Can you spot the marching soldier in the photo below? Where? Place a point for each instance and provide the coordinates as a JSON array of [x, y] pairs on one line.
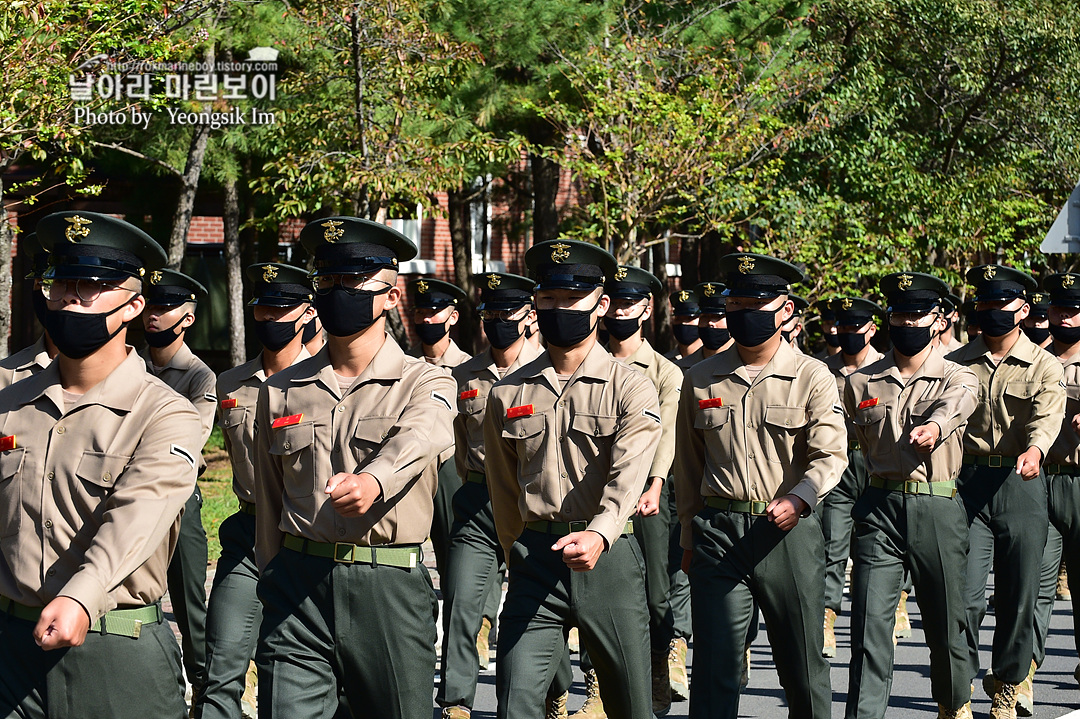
[[793, 328], [97, 458], [282, 309], [947, 339], [909, 409], [569, 440], [171, 298], [712, 324], [828, 329], [684, 324], [632, 291], [971, 320], [1017, 420], [475, 557], [853, 318], [760, 442], [31, 360], [1037, 324], [347, 444]]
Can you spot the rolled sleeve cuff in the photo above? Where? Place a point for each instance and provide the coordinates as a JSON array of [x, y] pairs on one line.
[[87, 591], [1043, 443], [606, 527], [942, 418], [806, 493]]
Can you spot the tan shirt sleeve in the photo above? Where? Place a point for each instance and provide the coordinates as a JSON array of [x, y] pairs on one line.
[[140, 512], [204, 397], [826, 439], [668, 388], [689, 466], [957, 401], [1047, 404]]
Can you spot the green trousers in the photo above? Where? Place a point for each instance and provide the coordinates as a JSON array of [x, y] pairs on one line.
[[470, 586], [443, 518], [545, 598], [108, 676], [232, 620], [926, 536], [679, 594], [1063, 541], [837, 525], [1008, 526], [737, 560], [653, 535], [187, 591], [365, 632]]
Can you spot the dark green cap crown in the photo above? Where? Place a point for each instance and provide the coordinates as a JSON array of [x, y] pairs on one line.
[[1064, 289], [501, 291], [30, 248], [801, 304], [684, 303], [434, 294], [89, 245], [278, 285], [758, 276], [569, 265], [854, 310], [353, 245], [711, 297], [997, 282], [913, 291], [631, 282], [168, 288], [1040, 303]]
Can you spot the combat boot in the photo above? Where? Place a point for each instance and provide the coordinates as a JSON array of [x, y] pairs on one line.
[[593, 708], [573, 641], [676, 659], [556, 708], [249, 703], [1063, 591], [1025, 693], [963, 712], [458, 712], [1004, 704], [483, 649], [661, 685], [745, 678], [828, 650], [902, 628]]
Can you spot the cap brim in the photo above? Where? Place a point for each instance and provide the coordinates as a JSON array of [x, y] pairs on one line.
[[88, 272], [567, 285]]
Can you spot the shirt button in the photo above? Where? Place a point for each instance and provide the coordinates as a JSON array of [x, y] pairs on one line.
[[60, 429], [750, 425], [48, 524], [287, 446], [522, 433], [564, 475], [750, 393], [341, 407], [750, 456], [341, 533], [52, 476], [51, 571], [107, 477], [562, 402]]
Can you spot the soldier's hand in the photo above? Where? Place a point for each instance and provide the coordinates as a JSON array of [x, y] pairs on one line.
[[1076, 423], [925, 437], [649, 503], [63, 623], [352, 494], [580, 550], [785, 511], [1027, 464]]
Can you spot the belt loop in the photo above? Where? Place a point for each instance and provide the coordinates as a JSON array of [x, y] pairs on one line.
[[373, 562]]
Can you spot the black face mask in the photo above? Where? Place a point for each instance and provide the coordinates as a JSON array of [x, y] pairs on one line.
[[528, 331], [1038, 335], [565, 328], [345, 313], [622, 328], [1066, 335], [714, 338], [996, 323], [832, 340], [502, 333], [852, 344], [429, 334], [685, 334], [78, 334], [40, 306], [274, 334], [165, 337], [310, 330], [751, 328], [910, 341]]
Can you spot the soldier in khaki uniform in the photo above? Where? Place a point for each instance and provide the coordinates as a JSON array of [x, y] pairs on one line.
[[569, 441], [792, 330], [171, 299], [1037, 324], [760, 442], [971, 320], [828, 329], [345, 472], [1018, 418], [282, 308], [684, 324], [947, 339], [853, 318], [712, 324], [909, 410], [31, 360], [97, 458]]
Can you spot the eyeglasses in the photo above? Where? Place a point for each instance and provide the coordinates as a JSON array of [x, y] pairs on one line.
[[502, 315], [86, 290], [912, 319], [350, 283]]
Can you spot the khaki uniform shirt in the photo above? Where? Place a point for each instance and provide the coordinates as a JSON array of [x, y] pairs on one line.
[[887, 408], [579, 453], [1021, 400], [393, 423], [1066, 448], [953, 343], [91, 497], [474, 380], [835, 363], [237, 391], [190, 376], [667, 379], [27, 361], [782, 434], [691, 359], [452, 357]]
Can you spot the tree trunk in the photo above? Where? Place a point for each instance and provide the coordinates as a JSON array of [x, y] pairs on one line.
[[461, 244], [234, 273], [662, 338], [688, 259], [6, 241], [545, 183]]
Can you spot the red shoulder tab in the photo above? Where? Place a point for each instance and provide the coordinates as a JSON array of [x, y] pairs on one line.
[[7, 443], [710, 403], [469, 394], [228, 403], [522, 411], [286, 421], [869, 403]]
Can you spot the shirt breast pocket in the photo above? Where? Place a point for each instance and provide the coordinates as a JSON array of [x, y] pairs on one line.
[[1018, 396], [232, 424], [528, 434], [99, 473], [715, 424], [295, 447], [785, 430], [11, 512], [369, 435], [592, 435], [869, 416]]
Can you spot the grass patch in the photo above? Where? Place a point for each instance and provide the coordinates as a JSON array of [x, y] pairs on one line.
[[219, 501]]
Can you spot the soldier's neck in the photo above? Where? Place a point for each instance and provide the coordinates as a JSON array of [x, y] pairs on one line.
[[161, 356], [350, 356], [907, 366], [687, 350], [854, 362], [1000, 346], [624, 348], [438, 349], [506, 357], [276, 361], [81, 375], [566, 360], [760, 355], [1066, 351]]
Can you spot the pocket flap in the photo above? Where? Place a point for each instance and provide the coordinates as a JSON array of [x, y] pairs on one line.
[[374, 429], [1020, 390], [596, 425], [869, 415], [11, 462], [523, 427], [287, 440], [233, 417], [787, 417], [100, 468], [712, 417]]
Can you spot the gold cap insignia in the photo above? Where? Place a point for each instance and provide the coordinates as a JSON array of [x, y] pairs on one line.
[[493, 281], [1067, 281], [422, 287], [709, 290], [269, 273], [78, 228], [155, 277], [989, 272], [904, 281], [333, 230], [560, 252], [620, 274], [846, 304], [684, 296], [746, 264]]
